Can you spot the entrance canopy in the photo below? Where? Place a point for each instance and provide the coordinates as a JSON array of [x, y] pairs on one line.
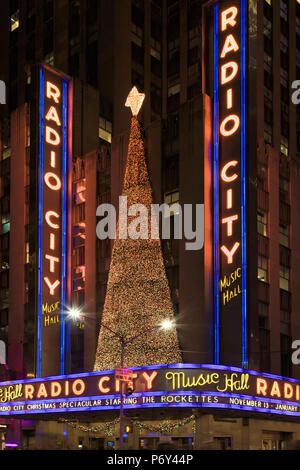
[[159, 386]]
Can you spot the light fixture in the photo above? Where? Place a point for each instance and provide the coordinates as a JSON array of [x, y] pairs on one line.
[[75, 313], [167, 325]]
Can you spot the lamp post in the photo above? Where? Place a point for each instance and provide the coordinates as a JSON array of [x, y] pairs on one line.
[[165, 325]]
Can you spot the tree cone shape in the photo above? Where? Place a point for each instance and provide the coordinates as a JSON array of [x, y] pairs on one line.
[[138, 295]]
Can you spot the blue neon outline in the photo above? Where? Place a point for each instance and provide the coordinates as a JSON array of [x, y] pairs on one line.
[[243, 176], [154, 405], [69, 202], [216, 183], [64, 230], [40, 225]]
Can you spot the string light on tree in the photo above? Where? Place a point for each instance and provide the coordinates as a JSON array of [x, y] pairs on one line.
[[138, 294]]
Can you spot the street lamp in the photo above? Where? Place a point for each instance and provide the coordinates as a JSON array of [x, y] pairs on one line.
[[164, 325]]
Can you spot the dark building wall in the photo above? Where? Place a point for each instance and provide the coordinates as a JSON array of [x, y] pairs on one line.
[[17, 320]]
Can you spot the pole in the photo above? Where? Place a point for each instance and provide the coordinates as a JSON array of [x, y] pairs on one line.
[[121, 395]]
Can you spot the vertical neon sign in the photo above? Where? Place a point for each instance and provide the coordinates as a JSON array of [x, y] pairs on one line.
[[53, 207], [230, 182]]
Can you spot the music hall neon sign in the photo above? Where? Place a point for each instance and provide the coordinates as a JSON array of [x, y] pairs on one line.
[[53, 203], [180, 385], [229, 182]]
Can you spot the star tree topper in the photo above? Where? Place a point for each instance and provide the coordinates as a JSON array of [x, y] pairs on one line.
[[135, 101]]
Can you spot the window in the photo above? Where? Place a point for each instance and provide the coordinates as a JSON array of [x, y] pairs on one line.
[[285, 349], [6, 153], [284, 147], [284, 235], [155, 53], [15, 21], [3, 318], [74, 64], [284, 277], [92, 63], [49, 59], [174, 89], [5, 223], [262, 269], [27, 253], [171, 199], [105, 130], [262, 223], [78, 278], [268, 134], [79, 191], [80, 213], [264, 338]]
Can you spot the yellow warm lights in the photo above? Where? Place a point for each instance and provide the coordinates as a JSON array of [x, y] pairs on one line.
[[135, 101], [138, 295]]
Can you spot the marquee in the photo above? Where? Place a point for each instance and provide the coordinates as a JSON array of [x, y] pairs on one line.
[[162, 386]]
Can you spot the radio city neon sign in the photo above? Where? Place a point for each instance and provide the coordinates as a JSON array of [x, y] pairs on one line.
[[230, 125], [53, 181]]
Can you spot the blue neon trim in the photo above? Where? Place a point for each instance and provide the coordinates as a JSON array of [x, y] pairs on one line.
[[64, 231], [40, 225], [216, 184], [243, 176], [153, 405], [153, 394]]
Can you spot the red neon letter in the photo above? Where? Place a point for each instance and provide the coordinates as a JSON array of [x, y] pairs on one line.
[[228, 253], [230, 45], [229, 221], [288, 391], [225, 78], [81, 389], [53, 92], [50, 214], [52, 241], [53, 116], [275, 390], [29, 391], [101, 387], [53, 286], [224, 176], [53, 187], [229, 98], [229, 17], [53, 159], [42, 391], [149, 379], [55, 389], [52, 260], [261, 387], [236, 124], [55, 140], [229, 199]]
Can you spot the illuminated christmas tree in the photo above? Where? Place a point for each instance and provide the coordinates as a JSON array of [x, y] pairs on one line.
[[138, 294]]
